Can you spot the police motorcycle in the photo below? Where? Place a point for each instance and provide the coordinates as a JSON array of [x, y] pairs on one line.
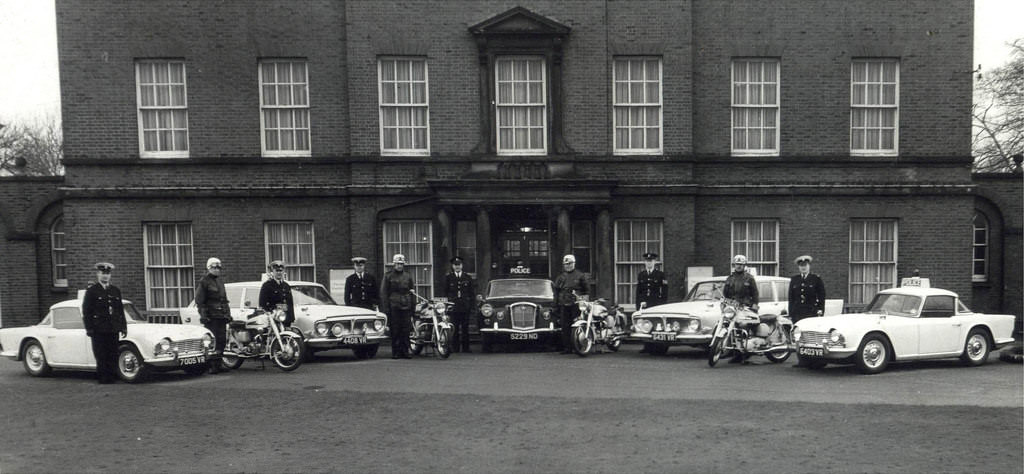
[[744, 332], [263, 336], [597, 324], [432, 327]]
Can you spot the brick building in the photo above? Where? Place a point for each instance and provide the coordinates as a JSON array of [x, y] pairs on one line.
[[318, 130]]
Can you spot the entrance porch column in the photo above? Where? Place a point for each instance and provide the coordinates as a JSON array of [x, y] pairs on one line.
[[483, 245], [444, 228], [563, 239], [603, 239]]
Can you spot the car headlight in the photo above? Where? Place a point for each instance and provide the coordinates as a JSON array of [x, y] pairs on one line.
[[378, 325], [164, 345], [676, 326], [501, 315], [487, 310], [644, 325], [547, 315], [337, 329], [835, 337], [321, 329], [207, 340], [693, 326], [797, 333]]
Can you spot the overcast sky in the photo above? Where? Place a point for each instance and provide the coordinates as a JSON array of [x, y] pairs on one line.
[[30, 88]]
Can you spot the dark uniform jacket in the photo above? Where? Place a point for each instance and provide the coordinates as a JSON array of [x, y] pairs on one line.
[[102, 310], [651, 288], [212, 299], [396, 291], [566, 283], [806, 296], [361, 292], [460, 290], [741, 287], [273, 293]]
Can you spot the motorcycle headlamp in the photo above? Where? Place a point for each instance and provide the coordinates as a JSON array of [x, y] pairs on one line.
[[337, 329], [582, 305], [378, 325], [487, 310], [729, 312], [280, 316], [440, 308], [693, 326], [609, 321]]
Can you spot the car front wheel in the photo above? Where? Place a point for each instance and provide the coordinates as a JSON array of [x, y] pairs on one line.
[[130, 365], [34, 360], [873, 355], [976, 349]]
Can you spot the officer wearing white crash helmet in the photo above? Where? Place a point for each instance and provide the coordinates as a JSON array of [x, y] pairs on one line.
[[398, 302], [212, 303], [569, 286], [741, 285]]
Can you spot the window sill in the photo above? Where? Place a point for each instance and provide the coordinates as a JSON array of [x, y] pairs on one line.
[[305, 154], [160, 156], [59, 290], [981, 284], [887, 154]]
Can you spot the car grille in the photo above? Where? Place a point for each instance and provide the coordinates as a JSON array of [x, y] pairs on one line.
[[813, 337], [665, 321], [353, 327], [524, 315], [189, 345]]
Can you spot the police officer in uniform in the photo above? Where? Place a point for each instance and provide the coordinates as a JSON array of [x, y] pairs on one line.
[[460, 288], [651, 287], [569, 285], [103, 317], [398, 302], [212, 303], [361, 287], [806, 291], [275, 291], [742, 287]]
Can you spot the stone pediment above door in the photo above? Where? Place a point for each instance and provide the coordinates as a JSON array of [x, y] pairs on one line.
[[519, 21]]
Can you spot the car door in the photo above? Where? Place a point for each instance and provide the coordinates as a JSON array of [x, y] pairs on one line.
[[767, 303], [66, 343], [782, 295], [940, 331]]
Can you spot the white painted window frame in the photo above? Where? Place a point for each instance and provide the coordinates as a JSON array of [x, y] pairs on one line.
[[498, 106], [187, 285], [267, 243], [139, 108], [748, 242], [264, 107], [383, 106], [621, 103], [895, 107], [734, 107]]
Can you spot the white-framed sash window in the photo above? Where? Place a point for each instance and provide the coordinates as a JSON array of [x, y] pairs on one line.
[[873, 257], [755, 106], [294, 244], [634, 238], [414, 239], [521, 105], [58, 253], [162, 99], [758, 240], [170, 277], [874, 107], [637, 105], [284, 107], [404, 98], [979, 259]]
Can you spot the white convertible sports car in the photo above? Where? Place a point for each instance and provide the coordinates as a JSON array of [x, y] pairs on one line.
[[59, 342], [907, 323]]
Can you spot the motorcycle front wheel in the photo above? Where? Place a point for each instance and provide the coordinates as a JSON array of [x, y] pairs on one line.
[[288, 356], [582, 341], [714, 351], [444, 343]]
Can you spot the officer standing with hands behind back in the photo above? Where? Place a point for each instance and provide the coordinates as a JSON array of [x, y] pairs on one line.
[[460, 289], [103, 317], [651, 287], [806, 291]]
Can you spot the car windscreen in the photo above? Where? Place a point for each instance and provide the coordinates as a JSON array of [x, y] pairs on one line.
[[309, 294], [132, 315], [528, 288], [899, 305], [234, 294], [706, 291]]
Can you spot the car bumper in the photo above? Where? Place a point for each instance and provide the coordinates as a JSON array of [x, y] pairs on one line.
[[324, 343], [551, 329], [827, 352], [680, 340], [999, 343], [13, 355]]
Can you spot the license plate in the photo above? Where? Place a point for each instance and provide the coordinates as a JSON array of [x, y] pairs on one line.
[[192, 360], [530, 336], [353, 340], [663, 336], [811, 351]]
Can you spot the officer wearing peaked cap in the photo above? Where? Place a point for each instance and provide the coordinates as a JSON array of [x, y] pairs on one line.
[[460, 289], [651, 287], [361, 287], [806, 291], [277, 292], [103, 317]]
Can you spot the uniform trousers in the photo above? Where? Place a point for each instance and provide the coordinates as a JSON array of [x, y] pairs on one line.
[[104, 349], [218, 326], [461, 336], [567, 313], [400, 322]]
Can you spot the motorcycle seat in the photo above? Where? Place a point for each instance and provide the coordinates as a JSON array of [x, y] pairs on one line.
[[767, 318], [236, 325]]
